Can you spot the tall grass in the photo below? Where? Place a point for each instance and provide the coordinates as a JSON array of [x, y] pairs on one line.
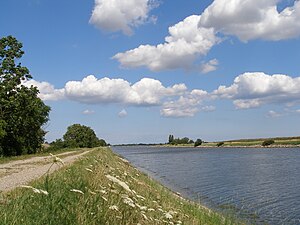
[[101, 188]]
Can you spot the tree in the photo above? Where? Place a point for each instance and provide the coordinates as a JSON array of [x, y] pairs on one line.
[[198, 142], [22, 113], [171, 139], [219, 144], [268, 142], [80, 136]]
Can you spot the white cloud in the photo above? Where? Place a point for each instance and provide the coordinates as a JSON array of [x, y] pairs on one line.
[[208, 108], [123, 113], [255, 89], [47, 91], [185, 106], [144, 92], [120, 15], [88, 112], [255, 19], [209, 66], [186, 42], [273, 114]]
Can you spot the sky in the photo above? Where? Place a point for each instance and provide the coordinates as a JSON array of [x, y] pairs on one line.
[[136, 71]]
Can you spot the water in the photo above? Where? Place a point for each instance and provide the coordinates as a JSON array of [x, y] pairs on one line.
[[259, 185]]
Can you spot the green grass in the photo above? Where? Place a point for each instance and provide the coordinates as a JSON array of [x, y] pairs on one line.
[[104, 199], [45, 153], [279, 141]]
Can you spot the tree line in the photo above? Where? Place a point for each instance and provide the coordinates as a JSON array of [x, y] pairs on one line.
[[177, 141]]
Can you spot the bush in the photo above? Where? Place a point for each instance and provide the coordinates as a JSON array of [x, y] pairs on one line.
[[220, 144], [268, 142], [198, 142]]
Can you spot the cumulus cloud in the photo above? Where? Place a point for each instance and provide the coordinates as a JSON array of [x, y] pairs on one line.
[[120, 15], [144, 92], [255, 19], [255, 89], [210, 66], [91, 90], [185, 106], [47, 90], [185, 43], [123, 113]]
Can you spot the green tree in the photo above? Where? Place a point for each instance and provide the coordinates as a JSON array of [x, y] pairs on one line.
[[22, 113], [80, 136], [171, 139], [198, 142], [268, 142]]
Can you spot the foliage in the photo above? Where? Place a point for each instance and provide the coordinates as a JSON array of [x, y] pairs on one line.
[[219, 144], [22, 113], [198, 142], [171, 138], [268, 142], [80, 136], [178, 141]]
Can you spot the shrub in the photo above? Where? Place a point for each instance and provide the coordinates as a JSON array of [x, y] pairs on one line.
[[268, 142], [220, 144]]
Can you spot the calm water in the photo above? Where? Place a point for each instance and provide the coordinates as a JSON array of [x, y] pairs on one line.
[[258, 184]]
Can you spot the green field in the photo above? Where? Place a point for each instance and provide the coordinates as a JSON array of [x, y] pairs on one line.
[[101, 188]]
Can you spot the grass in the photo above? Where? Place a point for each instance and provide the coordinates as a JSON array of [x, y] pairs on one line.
[[279, 142], [45, 153], [101, 188]]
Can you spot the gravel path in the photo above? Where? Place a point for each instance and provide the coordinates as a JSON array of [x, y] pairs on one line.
[[21, 172]]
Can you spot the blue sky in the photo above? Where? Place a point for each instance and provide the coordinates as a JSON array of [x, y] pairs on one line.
[[139, 70]]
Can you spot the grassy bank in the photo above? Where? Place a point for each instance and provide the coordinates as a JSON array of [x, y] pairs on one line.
[[278, 142], [101, 188]]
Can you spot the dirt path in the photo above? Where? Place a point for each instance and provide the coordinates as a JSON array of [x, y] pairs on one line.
[[21, 172]]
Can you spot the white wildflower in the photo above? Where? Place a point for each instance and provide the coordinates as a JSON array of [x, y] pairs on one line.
[[114, 207], [35, 190], [105, 199], [143, 208], [145, 217], [141, 197], [129, 202], [77, 191], [151, 209], [168, 216], [88, 169], [91, 192], [121, 183], [178, 222]]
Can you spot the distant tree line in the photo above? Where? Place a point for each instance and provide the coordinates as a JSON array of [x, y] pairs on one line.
[[78, 136], [185, 140]]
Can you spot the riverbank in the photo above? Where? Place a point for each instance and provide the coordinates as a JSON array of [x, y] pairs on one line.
[[101, 188]]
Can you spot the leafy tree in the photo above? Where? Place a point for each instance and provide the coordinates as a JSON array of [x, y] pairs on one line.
[[268, 142], [198, 142], [171, 139], [220, 144], [22, 113], [81, 136]]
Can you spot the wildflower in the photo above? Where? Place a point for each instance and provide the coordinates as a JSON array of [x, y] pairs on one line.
[[88, 169], [77, 191], [178, 222], [145, 217], [114, 207], [56, 159], [91, 192], [141, 197], [168, 216], [151, 209], [141, 207], [35, 190], [105, 199], [121, 183], [129, 202]]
